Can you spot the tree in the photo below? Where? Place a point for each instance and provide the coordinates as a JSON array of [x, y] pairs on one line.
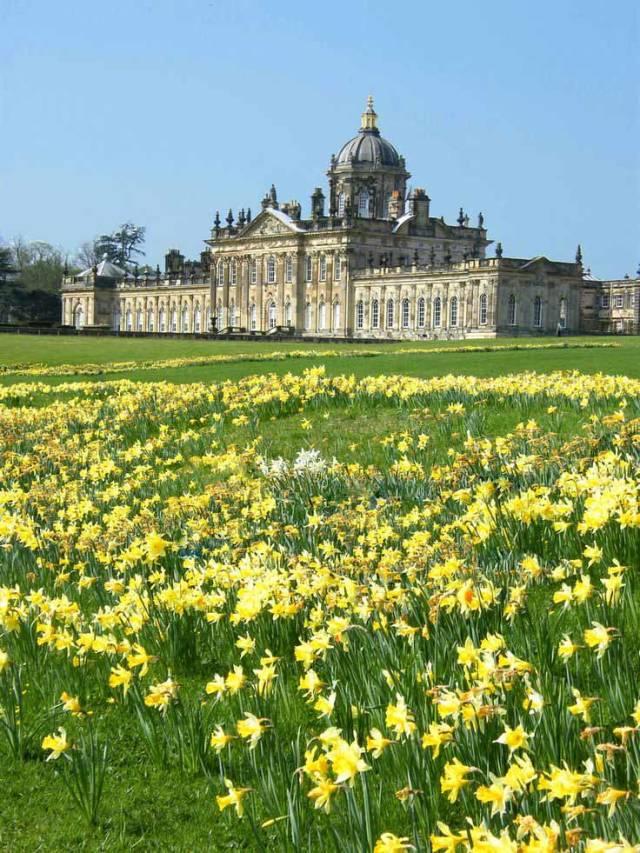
[[122, 245], [31, 287], [87, 255]]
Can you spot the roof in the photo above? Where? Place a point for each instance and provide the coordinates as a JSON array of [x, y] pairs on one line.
[[105, 269], [368, 147]]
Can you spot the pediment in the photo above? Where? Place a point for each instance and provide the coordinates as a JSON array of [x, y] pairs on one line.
[[270, 223]]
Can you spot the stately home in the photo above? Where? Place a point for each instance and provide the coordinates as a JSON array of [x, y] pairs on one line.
[[371, 261]]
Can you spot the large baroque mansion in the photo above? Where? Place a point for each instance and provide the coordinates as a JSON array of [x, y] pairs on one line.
[[371, 261]]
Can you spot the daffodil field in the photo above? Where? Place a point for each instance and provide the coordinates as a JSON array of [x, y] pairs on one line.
[[376, 614]]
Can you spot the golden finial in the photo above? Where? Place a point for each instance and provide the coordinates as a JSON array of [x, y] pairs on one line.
[[369, 117]]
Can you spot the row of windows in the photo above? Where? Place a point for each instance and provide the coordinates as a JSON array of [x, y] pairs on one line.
[[421, 312], [271, 270], [167, 320], [454, 312], [619, 300]]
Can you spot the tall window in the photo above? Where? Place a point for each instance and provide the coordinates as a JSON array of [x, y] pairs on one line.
[[234, 271], [322, 316], [139, 319], [271, 314], [453, 311], [128, 320], [389, 313], [149, 319], [337, 267], [163, 319], [340, 204], [604, 300], [437, 312], [360, 314], [207, 318], [308, 268], [323, 268], [537, 312], [220, 272], [336, 315], [197, 318], [405, 313], [307, 316], [288, 268], [619, 300], [271, 269], [375, 314], [363, 204], [512, 310], [287, 313], [232, 313], [185, 319], [116, 318], [563, 313], [421, 312], [483, 309], [253, 317], [174, 319], [254, 271]]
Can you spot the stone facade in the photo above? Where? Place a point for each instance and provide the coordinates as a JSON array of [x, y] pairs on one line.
[[370, 262], [611, 307]]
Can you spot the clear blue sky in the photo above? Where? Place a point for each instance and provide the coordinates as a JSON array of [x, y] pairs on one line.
[[162, 111]]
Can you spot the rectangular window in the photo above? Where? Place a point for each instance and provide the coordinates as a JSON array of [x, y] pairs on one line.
[[288, 269], [375, 314], [337, 268], [483, 309], [421, 312], [323, 268], [604, 300], [619, 300], [254, 272], [308, 269]]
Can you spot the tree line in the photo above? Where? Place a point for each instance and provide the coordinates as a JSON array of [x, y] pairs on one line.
[[31, 272]]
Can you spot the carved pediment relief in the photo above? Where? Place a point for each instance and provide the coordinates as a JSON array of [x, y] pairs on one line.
[[267, 224]]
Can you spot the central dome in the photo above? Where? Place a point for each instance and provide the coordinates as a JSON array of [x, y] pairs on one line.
[[368, 146]]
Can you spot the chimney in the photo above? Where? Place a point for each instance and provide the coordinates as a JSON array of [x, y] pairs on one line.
[[420, 208]]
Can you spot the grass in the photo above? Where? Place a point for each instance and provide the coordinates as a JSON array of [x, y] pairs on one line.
[[624, 359]]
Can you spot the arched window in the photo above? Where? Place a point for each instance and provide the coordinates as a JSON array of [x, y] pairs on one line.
[[340, 204], [163, 319], [453, 311], [185, 318], [307, 315], [127, 317], [220, 315], [437, 312], [150, 320], [174, 319], [116, 318], [253, 317], [234, 272], [78, 317], [308, 269], [375, 314], [563, 313], [336, 315], [483, 309], [139, 320], [389, 313], [337, 267], [359, 314], [363, 204], [287, 313], [421, 312], [220, 272], [197, 318], [288, 268], [271, 269], [254, 271], [405, 313], [207, 319], [512, 310], [537, 312], [271, 314], [322, 317], [232, 313], [323, 268]]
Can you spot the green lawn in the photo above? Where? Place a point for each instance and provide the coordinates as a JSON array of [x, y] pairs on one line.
[[14, 349]]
